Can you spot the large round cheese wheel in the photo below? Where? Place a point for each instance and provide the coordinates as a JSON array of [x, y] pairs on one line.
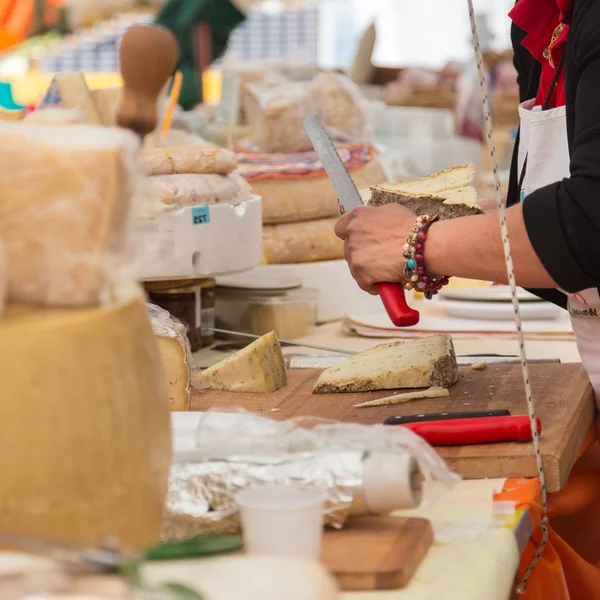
[[304, 199], [85, 437]]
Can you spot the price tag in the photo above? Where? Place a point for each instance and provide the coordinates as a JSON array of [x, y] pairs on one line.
[[200, 215]]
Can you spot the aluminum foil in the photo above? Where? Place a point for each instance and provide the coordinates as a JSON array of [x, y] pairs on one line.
[[201, 495]]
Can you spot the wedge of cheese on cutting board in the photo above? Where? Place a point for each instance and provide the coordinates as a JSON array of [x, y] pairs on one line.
[[422, 363], [175, 352], [258, 368], [447, 194], [66, 196]]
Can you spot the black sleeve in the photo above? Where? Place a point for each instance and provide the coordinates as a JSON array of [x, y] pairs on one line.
[[563, 219]]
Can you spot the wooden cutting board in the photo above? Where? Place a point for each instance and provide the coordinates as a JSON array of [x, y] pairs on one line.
[[562, 393], [386, 552]]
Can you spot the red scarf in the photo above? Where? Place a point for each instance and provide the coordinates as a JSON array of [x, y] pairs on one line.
[[540, 19]]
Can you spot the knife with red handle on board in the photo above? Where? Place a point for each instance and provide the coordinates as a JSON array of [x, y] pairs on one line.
[[484, 430], [392, 294]]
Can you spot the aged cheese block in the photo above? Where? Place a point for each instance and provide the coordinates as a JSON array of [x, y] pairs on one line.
[[291, 200], [276, 114], [85, 440], [181, 160], [190, 190], [64, 215], [308, 241], [259, 368], [340, 105], [426, 362], [55, 116], [447, 194], [176, 355], [107, 102]]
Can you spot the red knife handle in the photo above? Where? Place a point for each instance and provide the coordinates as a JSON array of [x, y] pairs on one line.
[[485, 430], [392, 296]]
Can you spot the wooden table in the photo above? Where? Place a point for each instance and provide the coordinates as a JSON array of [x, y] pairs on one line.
[[564, 404]]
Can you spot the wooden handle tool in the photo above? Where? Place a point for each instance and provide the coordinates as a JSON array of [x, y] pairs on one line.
[[149, 56]]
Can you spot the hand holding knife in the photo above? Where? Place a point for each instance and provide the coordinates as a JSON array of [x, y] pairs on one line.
[[392, 294]]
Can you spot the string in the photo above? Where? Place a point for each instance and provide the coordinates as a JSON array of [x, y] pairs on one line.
[[522, 585]]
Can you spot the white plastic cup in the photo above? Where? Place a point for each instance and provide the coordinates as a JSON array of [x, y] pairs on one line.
[[282, 520]]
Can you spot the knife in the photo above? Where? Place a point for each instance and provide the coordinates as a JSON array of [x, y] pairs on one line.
[[392, 294], [447, 416], [485, 430]]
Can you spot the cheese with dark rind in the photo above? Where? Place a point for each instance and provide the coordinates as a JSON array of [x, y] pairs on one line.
[[447, 194], [422, 363]]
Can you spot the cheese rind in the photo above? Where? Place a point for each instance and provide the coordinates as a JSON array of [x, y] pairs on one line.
[[258, 368], [421, 363], [65, 210], [194, 190], [308, 241], [182, 160], [175, 352]]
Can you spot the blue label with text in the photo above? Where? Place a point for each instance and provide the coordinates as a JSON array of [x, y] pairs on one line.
[[200, 215]]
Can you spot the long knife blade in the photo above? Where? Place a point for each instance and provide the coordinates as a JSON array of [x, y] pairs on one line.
[[391, 294], [346, 189]]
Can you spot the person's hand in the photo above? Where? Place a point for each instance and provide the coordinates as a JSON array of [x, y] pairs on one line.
[[374, 237]]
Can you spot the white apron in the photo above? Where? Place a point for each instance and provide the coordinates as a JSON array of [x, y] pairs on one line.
[[544, 142]]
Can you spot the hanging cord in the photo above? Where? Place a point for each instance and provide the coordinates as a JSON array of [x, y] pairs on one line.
[[521, 588]]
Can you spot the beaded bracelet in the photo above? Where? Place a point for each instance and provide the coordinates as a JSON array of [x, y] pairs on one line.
[[414, 270]]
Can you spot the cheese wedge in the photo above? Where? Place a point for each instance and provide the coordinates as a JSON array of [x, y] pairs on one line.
[[65, 203], [75, 93], [258, 368], [422, 363], [175, 352], [447, 194]]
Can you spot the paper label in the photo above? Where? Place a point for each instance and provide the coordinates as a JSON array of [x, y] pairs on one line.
[[200, 215]]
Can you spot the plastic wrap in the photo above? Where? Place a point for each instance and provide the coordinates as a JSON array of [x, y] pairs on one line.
[[176, 355], [276, 115], [192, 190], [183, 160], [238, 449], [340, 106], [70, 198], [307, 241]]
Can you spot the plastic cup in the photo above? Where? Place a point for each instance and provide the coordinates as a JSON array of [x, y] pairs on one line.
[[282, 520]]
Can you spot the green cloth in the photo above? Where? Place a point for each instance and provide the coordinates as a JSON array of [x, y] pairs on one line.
[[180, 16]]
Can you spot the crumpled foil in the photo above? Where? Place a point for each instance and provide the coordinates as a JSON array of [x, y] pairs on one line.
[[201, 495]]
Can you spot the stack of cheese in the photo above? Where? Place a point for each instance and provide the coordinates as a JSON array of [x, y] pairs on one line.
[[84, 418], [300, 206], [300, 209], [194, 175]]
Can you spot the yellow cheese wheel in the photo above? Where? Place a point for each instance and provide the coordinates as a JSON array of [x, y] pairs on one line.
[[85, 435]]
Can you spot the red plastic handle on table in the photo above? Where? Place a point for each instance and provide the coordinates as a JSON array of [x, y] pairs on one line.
[[392, 296], [484, 430]]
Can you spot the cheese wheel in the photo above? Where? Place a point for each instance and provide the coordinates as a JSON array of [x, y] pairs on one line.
[[291, 200], [181, 160], [309, 241], [67, 198], [190, 190], [2, 278], [85, 435]]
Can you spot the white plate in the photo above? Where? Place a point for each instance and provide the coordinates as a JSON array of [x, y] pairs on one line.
[[495, 293], [500, 311]]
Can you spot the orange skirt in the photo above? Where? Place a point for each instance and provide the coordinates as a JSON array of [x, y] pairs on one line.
[[570, 566]]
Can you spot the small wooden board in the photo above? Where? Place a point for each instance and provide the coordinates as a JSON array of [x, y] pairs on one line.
[[386, 552], [564, 403]]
